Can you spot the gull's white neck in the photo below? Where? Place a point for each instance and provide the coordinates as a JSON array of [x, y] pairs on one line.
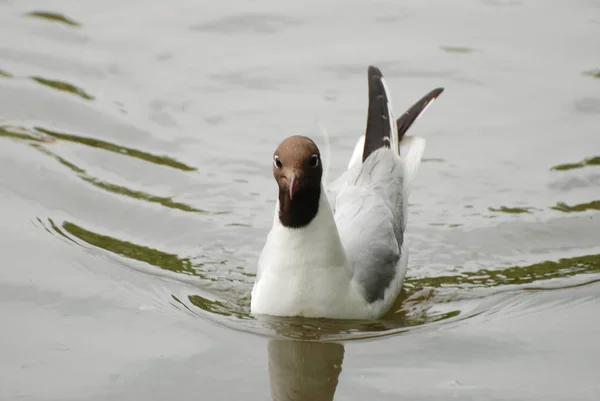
[[317, 243]]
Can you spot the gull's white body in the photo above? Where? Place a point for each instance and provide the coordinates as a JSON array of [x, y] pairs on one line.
[[306, 271], [349, 262]]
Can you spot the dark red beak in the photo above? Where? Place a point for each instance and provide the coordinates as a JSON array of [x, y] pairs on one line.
[[293, 184]]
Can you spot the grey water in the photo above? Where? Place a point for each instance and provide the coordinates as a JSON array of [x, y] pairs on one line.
[[136, 193]]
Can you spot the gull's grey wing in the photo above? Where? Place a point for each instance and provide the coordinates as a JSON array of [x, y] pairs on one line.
[[368, 206], [370, 221], [369, 200]]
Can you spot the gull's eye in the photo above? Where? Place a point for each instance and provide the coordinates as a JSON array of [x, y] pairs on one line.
[[314, 161], [276, 161]]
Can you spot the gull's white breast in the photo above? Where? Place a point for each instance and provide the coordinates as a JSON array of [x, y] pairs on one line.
[[305, 272]]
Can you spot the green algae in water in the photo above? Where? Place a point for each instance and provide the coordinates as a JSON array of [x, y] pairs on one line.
[[117, 189], [111, 147], [593, 73], [19, 133], [155, 257], [581, 207], [516, 275], [63, 87], [511, 210], [53, 17], [217, 307], [162, 200], [457, 49], [591, 161]]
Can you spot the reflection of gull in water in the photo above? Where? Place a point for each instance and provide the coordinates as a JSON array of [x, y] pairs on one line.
[[304, 371]]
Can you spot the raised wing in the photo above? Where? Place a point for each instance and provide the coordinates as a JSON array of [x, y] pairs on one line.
[[371, 197]]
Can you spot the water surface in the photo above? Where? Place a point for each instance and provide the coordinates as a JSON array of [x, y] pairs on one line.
[[136, 193]]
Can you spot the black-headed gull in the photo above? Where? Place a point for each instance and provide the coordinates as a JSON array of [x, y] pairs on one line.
[[343, 258]]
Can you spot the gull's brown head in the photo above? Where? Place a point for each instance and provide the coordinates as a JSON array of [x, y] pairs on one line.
[[297, 165], [297, 168]]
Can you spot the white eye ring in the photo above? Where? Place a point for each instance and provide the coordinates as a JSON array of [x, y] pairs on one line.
[[276, 161], [314, 160]]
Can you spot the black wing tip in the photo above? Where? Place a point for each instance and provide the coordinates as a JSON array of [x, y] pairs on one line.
[[378, 127], [408, 118], [373, 71], [436, 93]]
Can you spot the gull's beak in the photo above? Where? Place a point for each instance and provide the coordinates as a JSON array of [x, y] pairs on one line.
[[293, 184]]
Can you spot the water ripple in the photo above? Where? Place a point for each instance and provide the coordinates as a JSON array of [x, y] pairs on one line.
[[424, 301], [111, 147], [258, 23]]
